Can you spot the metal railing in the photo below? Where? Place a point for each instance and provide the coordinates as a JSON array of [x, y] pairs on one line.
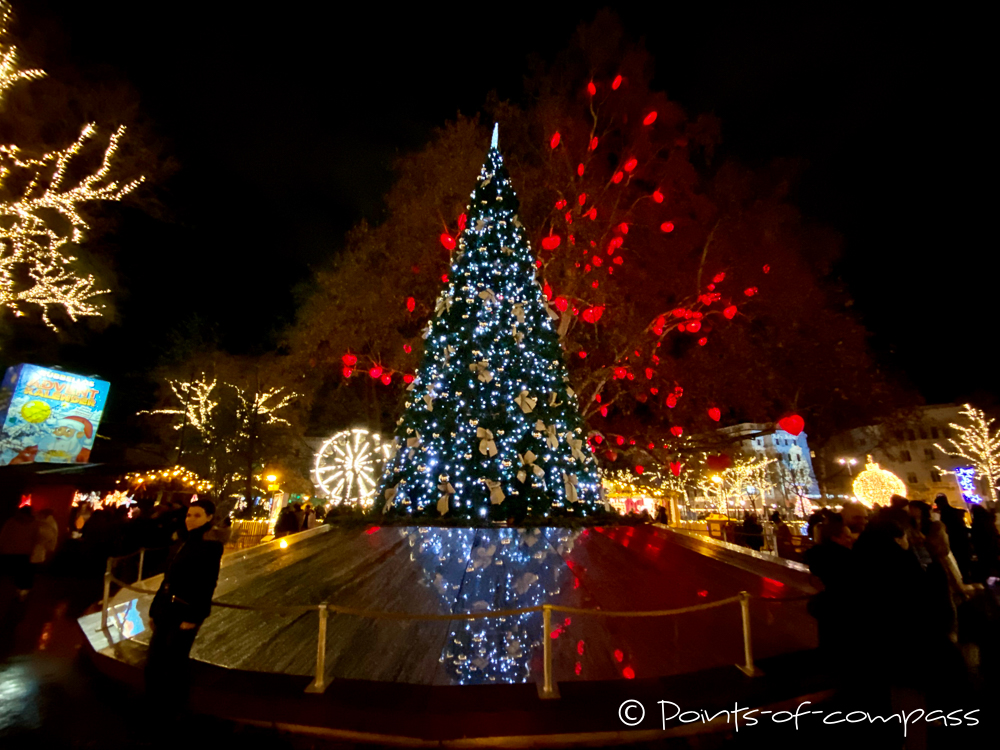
[[548, 688]]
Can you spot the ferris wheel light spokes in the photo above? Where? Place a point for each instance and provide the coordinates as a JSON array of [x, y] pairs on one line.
[[348, 465]]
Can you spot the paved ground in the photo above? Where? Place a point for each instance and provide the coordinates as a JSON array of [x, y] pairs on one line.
[[439, 571], [51, 697]]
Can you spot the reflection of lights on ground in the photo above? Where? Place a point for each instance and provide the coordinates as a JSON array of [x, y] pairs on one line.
[[283, 543], [489, 570], [18, 697]]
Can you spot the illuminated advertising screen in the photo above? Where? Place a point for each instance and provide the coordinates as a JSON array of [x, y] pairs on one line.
[[49, 416]]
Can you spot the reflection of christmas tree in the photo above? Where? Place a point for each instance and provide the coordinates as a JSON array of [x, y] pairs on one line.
[[491, 419], [490, 570]]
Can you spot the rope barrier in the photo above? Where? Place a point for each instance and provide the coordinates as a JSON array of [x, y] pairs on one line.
[[645, 613], [383, 615]]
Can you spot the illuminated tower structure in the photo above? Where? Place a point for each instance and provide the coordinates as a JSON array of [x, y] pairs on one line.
[[490, 420]]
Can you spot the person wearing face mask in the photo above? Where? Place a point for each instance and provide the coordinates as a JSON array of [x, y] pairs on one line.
[[181, 605]]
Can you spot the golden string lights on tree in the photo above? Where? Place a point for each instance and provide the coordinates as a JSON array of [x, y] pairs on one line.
[[264, 402], [979, 445], [9, 71], [173, 475], [39, 217], [196, 403], [875, 486]]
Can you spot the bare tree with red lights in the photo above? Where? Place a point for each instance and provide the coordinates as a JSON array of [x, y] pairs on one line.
[[689, 293]]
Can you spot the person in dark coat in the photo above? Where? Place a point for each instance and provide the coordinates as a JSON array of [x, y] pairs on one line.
[[287, 523], [17, 541], [181, 605], [835, 606], [986, 542], [753, 532]]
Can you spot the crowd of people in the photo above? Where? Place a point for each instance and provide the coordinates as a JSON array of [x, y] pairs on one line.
[[907, 597], [298, 517]]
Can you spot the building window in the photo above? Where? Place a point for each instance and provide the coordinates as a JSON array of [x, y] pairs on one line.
[[947, 432], [923, 434], [929, 453], [905, 456], [934, 433], [911, 435], [935, 477], [898, 434], [911, 478]]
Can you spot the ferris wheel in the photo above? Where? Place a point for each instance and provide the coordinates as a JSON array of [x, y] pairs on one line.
[[348, 466]]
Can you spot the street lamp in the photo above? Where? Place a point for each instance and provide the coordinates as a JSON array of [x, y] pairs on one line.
[[848, 462]]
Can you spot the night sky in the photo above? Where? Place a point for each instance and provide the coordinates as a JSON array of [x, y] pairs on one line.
[[283, 125]]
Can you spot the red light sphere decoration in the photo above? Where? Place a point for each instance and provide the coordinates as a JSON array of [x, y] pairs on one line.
[[411, 304], [631, 164], [793, 424], [554, 142], [667, 226], [551, 242], [591, 88], [658, 196], [349, 359], [639, 469], [462, 220], [593, 143], [616, 83], [448, 241], [386, 379], [750, 291], [676, 430], [729, 312], [348, 371], [617, 177], [592, 314], [650, 118], [715, 414], [675, 468], [408, 378], [375, 372]]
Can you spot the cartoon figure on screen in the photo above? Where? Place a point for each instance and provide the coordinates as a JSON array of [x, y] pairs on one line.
[[64, 444]]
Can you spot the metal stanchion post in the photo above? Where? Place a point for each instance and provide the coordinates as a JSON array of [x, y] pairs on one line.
[[548, 687], [142, 559], [318, 685], [107, 595], [748, 669]]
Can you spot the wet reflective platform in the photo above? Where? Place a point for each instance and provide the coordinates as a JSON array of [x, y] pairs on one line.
[[431, 570]]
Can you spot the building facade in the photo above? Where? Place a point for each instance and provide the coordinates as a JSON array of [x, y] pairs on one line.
[[792, 475], [908, 449]]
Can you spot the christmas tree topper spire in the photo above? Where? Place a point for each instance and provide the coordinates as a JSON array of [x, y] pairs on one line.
[[496, 135]]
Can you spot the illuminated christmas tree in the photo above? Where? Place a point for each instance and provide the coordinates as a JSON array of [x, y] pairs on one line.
[[490, 417]]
